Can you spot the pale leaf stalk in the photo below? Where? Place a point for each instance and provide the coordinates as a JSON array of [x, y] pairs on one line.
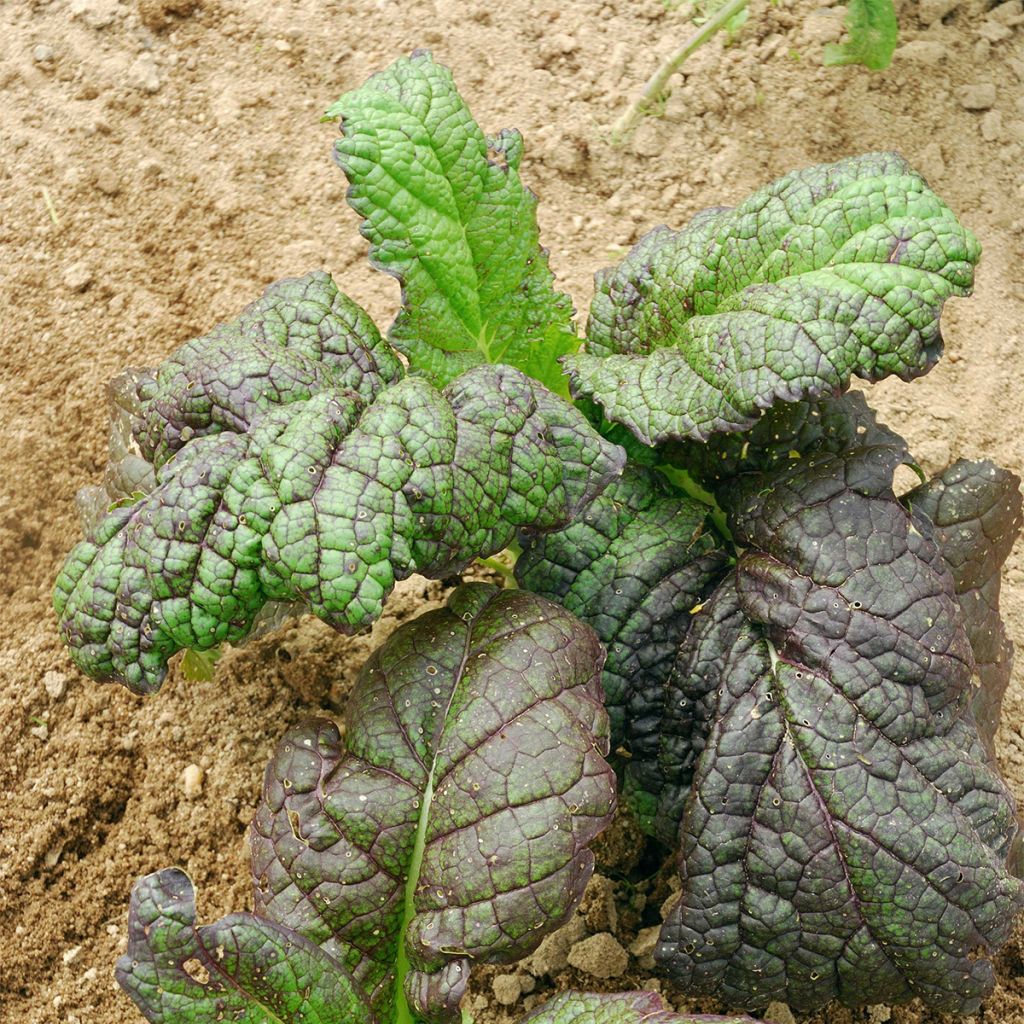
[[656, 87]]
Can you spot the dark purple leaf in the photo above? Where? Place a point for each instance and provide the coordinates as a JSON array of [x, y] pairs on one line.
[[975, 508], [844, 836]]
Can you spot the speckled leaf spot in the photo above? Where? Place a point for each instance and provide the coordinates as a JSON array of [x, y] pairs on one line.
[[787, 431], [836, 271], [294, 463], [634, 565], [845, 836], [975, 508], [242, 969], [445, 212], [455, 826], [619, 1008]]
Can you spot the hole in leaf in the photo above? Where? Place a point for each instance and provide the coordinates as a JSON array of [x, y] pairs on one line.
[[196, 971]]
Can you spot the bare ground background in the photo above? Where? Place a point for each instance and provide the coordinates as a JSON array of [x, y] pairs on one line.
[[161, 161]]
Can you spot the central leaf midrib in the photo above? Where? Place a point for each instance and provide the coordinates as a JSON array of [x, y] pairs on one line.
[[403, 1014]]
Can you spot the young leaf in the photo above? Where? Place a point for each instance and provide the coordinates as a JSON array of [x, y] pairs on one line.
[[281, 484], [873, 34], [844, 836], [840, 270], [454, 828], [446, 213], [618, 1008], [633, 567], [243, 967], [975, 508]]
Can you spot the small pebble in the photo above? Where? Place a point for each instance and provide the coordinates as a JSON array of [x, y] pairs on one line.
[[107, 183], [192, 781], [55, 684], [143, 74], [41, 732], [980, 96], [77, 277], [69, 954], [600, 956], [282, 46], [42, 54]]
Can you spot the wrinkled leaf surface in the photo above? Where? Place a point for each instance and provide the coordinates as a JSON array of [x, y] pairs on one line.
[[445, 212], [475, 765], [618, 1008], [243, 968], [836, 271], [844, 836], [288, 470], [975, 508]]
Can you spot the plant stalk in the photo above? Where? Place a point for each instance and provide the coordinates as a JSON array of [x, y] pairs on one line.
[[657, 84]]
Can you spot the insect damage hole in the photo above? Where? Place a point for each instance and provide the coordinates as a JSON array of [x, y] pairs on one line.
[[196, 971]]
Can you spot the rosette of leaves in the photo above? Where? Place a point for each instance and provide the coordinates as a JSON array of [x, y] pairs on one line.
[[295, 463]]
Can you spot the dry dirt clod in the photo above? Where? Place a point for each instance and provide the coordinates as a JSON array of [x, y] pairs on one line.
[[552, 955], [55, 684], [779, 1013], [77, 277], [507, 989], [600, 956], [642, 947], [980, 96], [991, 126], [143, 74], [923, 51], [192, 781]]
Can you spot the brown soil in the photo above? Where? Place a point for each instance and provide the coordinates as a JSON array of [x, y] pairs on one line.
[[162, 161]]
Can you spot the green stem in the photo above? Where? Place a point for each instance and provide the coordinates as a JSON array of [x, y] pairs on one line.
[[496, 565], [403, 1013], [657, 85]]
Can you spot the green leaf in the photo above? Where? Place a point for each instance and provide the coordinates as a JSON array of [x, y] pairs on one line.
[[836, 271], [243, 968], [446, 213], [873, 34]]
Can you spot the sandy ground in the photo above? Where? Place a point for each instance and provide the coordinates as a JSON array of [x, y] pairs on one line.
[[161, 161]]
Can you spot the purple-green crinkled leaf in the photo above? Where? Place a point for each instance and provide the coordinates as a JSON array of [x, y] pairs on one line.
[[327, 499], [634, 566], [242, 968], [301, 337], [783, 433], [618, 1008], [458, 819], [975, 508], [445, 212], [845, 836], [837, 271]]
